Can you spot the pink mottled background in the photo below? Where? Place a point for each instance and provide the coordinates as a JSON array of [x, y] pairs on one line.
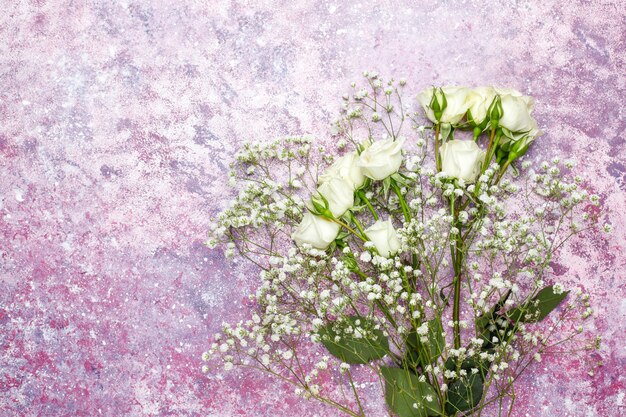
[[117, 124]]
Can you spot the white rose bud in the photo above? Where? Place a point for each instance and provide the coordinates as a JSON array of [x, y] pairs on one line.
[[461, 159], [382, 159], [316, 231], [456, 103], [479, 99], [516, 113], [346, 167], [384, 237]]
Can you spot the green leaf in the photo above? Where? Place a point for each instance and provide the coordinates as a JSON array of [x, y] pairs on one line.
[[386, 186], [402, 180], [539, 307], [432, 349], [467, 365], [492, 318], [464, 393], [407, 396], [350, 348]]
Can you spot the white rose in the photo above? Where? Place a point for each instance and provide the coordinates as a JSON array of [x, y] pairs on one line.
[[384, 237], [520, 142], [461, 159], [339, 194], [457, 104], [316, 231], [533, 133], [516, 113], [346, 167], [382, 159], [479, 99], [505, 91]]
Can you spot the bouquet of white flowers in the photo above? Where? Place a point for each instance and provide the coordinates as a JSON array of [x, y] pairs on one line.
[[415, 256]]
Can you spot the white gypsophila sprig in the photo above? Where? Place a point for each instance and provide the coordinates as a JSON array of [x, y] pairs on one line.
[[392, 300]]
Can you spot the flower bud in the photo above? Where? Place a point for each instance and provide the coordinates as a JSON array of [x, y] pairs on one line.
[[438, 107], [495, 111], [520, 147], [320, 207], [444, 104]]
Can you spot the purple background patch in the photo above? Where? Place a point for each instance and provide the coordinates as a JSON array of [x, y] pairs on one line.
[[117, 124]]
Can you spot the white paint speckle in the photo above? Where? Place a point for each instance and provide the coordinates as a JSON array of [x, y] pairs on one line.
[[19, 195]]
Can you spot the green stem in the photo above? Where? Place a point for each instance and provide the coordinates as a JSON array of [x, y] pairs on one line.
[[457, 260], [502, 171], [351, 230], [403, 204], [358, 225], [362, 196], [488, 153], [356, 394], [456, 309], [437, 157]]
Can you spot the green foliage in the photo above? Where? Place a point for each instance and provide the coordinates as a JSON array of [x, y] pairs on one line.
[[428, 352], [407, 396], [464, 393], [538, 307], [350, 348], [484, 322]]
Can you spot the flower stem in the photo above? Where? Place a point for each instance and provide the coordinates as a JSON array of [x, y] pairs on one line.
[[351, 230], [403, 204], [358, 225], [437, 157], [362, 196], [488, 153], [502, 171], [457, 262]]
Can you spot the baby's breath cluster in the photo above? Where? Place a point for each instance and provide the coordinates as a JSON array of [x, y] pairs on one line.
[[426, 257]]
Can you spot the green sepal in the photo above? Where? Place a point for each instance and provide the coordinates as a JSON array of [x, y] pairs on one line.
[[386, 186], [437, 107], [446, 131], [321, 208], [495, 111], [350, 262], [402, 180]]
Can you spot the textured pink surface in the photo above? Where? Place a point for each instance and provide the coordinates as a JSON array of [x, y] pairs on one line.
[[117, 123]]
